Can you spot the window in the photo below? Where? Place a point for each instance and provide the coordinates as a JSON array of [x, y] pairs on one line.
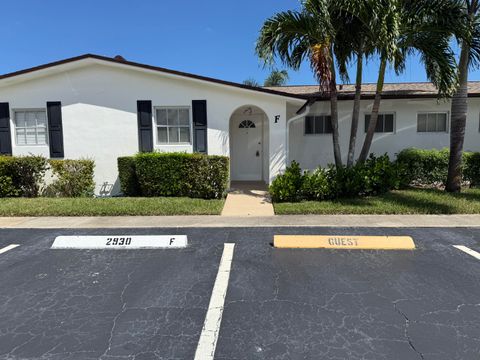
[[432, 122], [173, 125], [247, 124], [321, 124], [385, 123], [31, 127]]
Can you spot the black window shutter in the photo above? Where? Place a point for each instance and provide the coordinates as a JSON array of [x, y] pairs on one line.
[[367, 122], [55, 129], [5, 137], [328, 124], [309, 122], [145, 131], [200, 126]]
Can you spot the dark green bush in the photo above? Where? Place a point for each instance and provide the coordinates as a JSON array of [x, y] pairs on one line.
[[471, 170], [181, 174], [288, 186], [375, 176], [208, 177], [317, 185], [7, 188], [427, 167], [381, 175], [22, 175], [347, 182], [73, 178], [128, 176]]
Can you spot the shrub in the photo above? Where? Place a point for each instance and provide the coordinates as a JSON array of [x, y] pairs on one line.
[[288, 186], [471, 170], [22, 175], [128, 177], [317, 185], [381, 175], [424, 167], [208, 177], [430, 167], [73, 178], [375, 176], [181, 174], [347, 182], [7, 187]]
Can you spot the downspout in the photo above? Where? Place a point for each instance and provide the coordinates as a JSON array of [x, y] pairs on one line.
[[287, 135]]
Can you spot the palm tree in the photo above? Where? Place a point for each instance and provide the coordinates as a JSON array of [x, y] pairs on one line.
[[469, 56], [310, 33], [277, 78], [356, 39], [405, 27], [251, 82]]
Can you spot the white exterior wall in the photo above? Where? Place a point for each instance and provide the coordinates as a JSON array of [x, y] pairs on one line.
[[99, 110], [312, 151]]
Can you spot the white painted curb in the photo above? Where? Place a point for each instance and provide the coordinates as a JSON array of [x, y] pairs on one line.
[[121, 242]]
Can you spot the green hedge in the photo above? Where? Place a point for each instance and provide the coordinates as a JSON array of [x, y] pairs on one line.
[[375, 176], [22, 175], [174, 174], [424, 167], [25, 176], [128, 176], [430, 167], [72, 178], [471, 170], [7, 187]]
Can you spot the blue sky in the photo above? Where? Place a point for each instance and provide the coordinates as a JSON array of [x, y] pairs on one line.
[[210, 37]]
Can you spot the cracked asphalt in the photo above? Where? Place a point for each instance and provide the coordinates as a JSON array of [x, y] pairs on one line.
[[281, 304]]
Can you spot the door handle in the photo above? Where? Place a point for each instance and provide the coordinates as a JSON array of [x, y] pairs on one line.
[[257, 154]]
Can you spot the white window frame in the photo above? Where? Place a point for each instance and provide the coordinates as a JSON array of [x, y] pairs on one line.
[[382, 113], [190, 125], [314, 134], [14, 120], [447, 125]]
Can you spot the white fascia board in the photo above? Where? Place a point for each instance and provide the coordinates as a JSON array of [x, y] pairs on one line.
[[57, 69]]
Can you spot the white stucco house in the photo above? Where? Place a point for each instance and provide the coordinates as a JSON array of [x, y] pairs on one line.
[[101, 108]]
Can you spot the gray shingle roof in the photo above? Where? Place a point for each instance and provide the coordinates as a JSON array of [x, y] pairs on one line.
[[400, 90]]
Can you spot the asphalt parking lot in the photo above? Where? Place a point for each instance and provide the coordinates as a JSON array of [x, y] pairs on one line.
[[280, 303]]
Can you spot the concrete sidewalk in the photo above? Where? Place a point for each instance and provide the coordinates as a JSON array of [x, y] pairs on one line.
[[387, 221], [248, 198]]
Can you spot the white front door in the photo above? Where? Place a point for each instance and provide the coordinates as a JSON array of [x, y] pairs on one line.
[[246, 149]]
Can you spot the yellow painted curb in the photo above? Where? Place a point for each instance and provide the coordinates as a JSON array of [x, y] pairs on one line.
[[344, 242]]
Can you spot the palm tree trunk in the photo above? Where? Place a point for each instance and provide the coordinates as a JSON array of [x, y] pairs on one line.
[[356, 111], [375, 110], [334, 117], [458, 123]]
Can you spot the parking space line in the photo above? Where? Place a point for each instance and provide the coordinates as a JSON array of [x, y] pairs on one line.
[[468, 251], [7, 248], [211, 326]]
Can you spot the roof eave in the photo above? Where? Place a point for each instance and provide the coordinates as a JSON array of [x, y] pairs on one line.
[[150, 68]]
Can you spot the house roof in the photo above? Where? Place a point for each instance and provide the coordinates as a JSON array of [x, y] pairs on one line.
[[120, 60], [392, 91], [303, 92]]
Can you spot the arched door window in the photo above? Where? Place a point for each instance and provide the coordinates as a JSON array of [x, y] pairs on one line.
[[247, 124]]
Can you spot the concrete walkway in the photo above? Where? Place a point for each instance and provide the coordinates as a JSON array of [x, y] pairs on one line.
[[248, 198], [371, 221]]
